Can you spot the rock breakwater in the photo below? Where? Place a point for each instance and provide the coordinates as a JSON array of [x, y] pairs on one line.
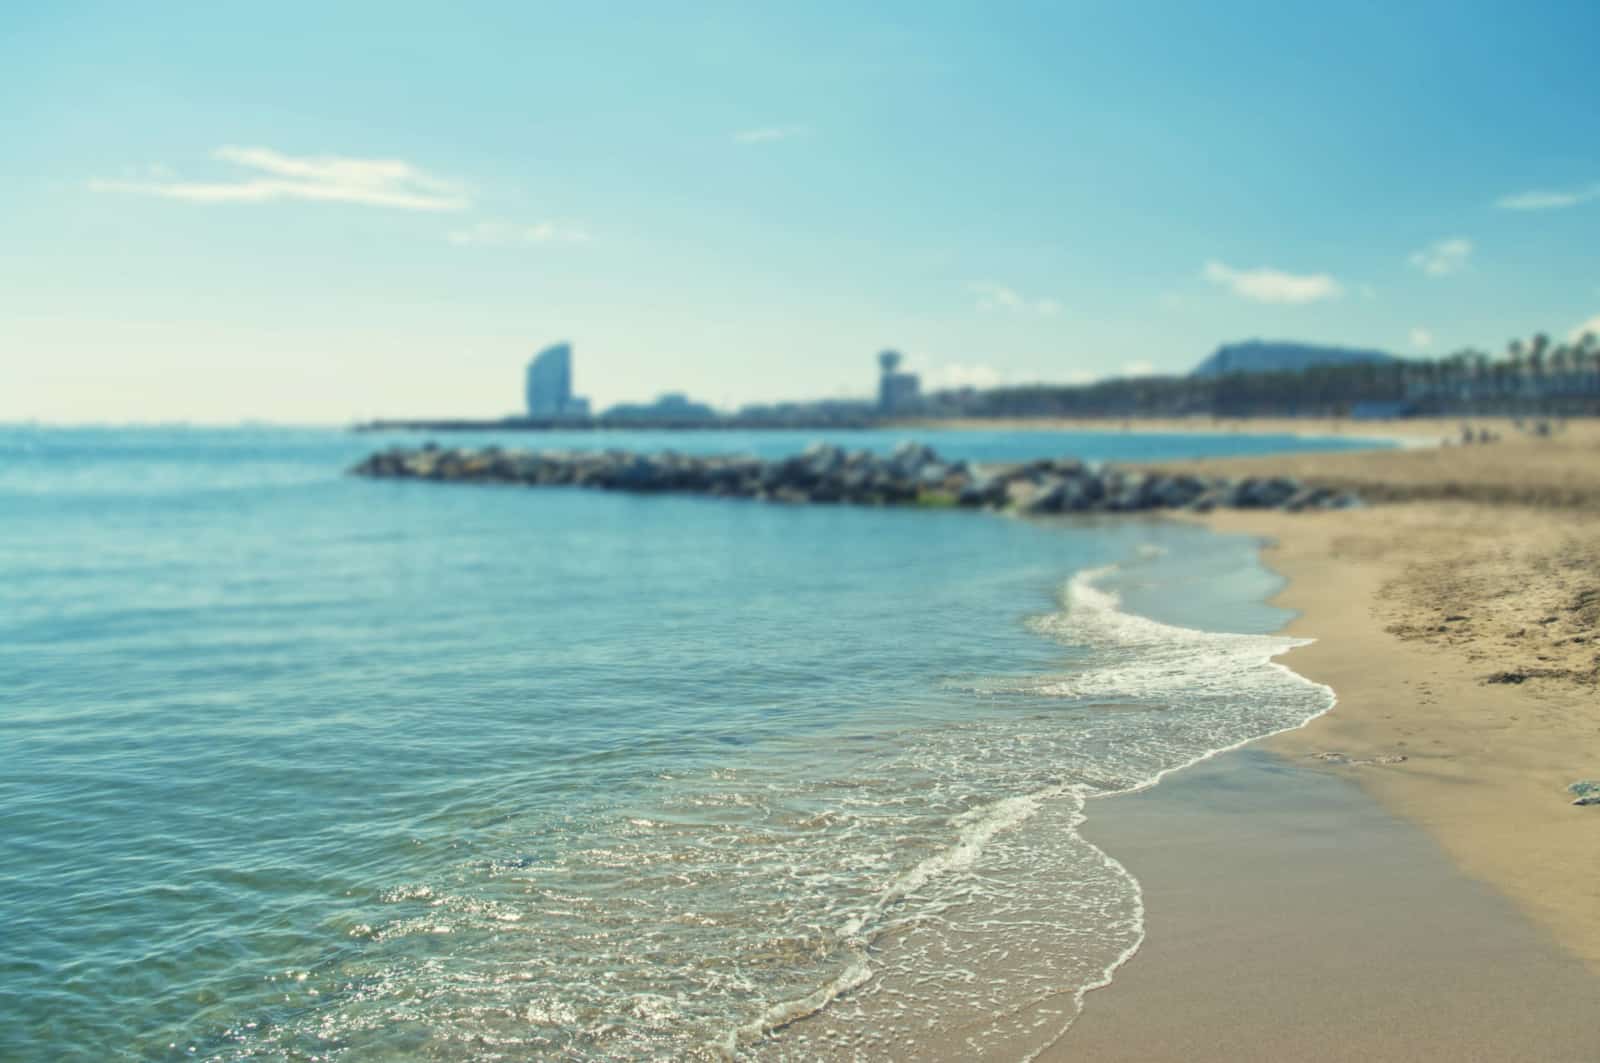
[[911, 475]]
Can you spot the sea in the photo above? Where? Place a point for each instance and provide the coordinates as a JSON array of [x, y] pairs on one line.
[[297, 765]]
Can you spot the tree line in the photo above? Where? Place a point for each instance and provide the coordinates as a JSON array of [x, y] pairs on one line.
[[1529, 377]]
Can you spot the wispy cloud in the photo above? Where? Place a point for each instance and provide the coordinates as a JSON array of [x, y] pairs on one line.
[[1421, 338], [768, 134], [272, 176], [1549, 199], [506, 234], [992, 296], [1444, 257], [1272, 285]]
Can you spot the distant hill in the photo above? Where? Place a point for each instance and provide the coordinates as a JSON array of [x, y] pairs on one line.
[[1269, 356]]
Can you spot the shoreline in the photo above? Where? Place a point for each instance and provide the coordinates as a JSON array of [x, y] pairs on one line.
[[1401, 432], [1464, 682], [1290, 916], [1459, 625], [1457, 628], [1464, 739]]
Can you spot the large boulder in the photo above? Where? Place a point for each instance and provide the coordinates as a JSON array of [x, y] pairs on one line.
[[1265, 492], [1175, 492], [823, 459], [909, 457], [1033, 499]]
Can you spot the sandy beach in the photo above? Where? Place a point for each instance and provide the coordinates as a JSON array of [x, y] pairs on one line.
[[1410, 430], [1458, 625], [1289, 916], [1456, 618]]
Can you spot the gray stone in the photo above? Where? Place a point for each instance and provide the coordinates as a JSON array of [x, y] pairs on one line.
[[824, 473], [823, 458], [909, 457], [1046, 497], [1020, 492]]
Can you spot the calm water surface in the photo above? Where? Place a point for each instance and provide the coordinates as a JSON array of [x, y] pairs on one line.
[[294, 765]]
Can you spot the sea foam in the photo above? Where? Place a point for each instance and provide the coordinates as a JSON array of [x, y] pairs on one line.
[[993, 941]]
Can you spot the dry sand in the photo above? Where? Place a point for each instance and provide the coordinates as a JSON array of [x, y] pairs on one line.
[[1409, 430], [1460, 629]]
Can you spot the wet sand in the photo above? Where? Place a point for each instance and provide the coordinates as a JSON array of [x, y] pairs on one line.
[[1460, 627], [1458, 620], [1289, 917]]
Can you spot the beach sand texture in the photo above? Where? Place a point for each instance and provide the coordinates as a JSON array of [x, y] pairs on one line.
[[1460, 629], [1458, 621], [1290, 917]]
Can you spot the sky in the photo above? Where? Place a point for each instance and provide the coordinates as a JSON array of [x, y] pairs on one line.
[[318, 213]]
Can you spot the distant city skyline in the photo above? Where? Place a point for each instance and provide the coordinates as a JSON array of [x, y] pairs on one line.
[[216, 214], [547, 388]]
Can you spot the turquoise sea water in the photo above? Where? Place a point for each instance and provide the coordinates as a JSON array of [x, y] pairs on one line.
[[296, 765]]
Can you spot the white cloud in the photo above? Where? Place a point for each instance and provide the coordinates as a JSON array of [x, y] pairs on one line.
[[992, 296], [1591, 325], [272, 176], [1421, 338], [505, 234], [768, 134], [1138, 368], [1444, 257], [1271, 285], [1549, 199]]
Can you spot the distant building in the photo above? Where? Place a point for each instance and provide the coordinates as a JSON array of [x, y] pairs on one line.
[[673, 406], [897, 392], [549, 385]]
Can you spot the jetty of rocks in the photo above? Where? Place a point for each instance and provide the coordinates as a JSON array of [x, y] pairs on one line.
[[911, 475]]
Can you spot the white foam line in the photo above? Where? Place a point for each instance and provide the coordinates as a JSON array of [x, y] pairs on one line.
[[970, 841], [785, 1012], [1006, 813], [1088, 577]]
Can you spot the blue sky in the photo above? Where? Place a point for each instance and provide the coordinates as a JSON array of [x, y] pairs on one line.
[[217, 212]]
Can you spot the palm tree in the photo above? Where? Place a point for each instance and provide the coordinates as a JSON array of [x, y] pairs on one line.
[[1588, 362], [1481, 370], [1558, 369], [1514, 356], [1536, 362]]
